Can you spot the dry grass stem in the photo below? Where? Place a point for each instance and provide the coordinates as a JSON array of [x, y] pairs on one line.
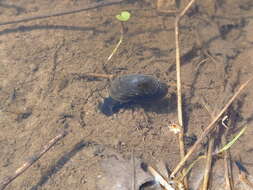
[[179, 92], [7, 180], [227, 160], [179, 96], [208, 164], [188, 6], [228, 177], [227, 165], [159, 178], [179, 88], [209, 152], [186, 172], [208, 129]]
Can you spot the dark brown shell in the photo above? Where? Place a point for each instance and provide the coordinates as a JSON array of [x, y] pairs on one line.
[[137, 88]]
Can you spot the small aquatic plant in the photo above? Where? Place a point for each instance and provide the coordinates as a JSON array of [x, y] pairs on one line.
[[124, 16]]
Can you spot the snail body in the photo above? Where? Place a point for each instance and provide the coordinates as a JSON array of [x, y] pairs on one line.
[[135, 88]]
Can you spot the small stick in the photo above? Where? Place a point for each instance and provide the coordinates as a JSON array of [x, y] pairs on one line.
[[228, 177], [208, 164], [179, 91], [159, 178], [89, 7], [97, 75], [227, 166], [208, 129], [7, 180], [185, 9], [209, 154]]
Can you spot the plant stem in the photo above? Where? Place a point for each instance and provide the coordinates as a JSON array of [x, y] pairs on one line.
[[119, 42], [179, 91], [208, 129], [31, 161]]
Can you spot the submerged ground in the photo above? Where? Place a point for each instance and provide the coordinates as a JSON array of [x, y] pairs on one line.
[[43, 87]]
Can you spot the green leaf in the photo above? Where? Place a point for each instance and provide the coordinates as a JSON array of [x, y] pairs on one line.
[[123, 16]]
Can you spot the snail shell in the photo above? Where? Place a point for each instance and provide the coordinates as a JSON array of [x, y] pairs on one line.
[[134, 88], [137, 88]]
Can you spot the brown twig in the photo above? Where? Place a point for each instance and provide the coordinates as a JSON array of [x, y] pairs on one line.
[[208, 164], [159, 178], [98, 75], [7, 180], [227, 165], [179, 91], [89, 7], [209, 153], [188, 6], [208, 129], [228, 177]]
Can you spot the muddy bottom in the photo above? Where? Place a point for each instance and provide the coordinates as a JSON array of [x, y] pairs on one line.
[[44, 88]]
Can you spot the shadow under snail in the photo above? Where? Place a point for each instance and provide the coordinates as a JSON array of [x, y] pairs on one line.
[[132, 89]]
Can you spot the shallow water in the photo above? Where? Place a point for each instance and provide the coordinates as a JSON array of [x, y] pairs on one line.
[[43, 67]]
